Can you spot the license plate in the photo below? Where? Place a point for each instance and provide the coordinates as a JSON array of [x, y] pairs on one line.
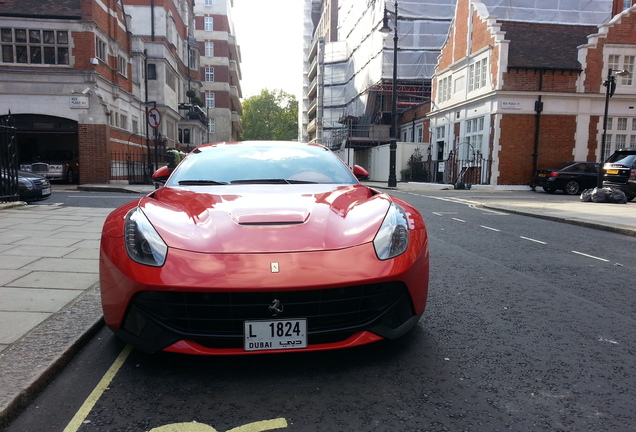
[[275, 334], [46, 191], [541, 175], [612, 171]]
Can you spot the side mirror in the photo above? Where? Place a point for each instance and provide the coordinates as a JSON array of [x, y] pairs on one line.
[[360, 173], [161, 176]]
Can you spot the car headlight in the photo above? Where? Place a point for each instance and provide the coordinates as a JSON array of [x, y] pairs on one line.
[[393, 237], [27, 184], [143, 244]]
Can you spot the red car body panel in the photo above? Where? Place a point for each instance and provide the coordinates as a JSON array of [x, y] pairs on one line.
[[288, 218], [225, 238]]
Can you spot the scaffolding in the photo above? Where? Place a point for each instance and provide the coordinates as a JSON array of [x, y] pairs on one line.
[[358, 64]]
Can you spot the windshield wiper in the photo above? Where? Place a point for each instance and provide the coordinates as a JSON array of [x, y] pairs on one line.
[[270, 181], [200, 182]]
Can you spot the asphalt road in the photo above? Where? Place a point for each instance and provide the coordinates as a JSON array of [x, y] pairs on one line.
[[69, 195], [531, 325]]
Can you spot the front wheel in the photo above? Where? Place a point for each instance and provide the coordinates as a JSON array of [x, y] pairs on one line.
[[572, 187], [70, 176]]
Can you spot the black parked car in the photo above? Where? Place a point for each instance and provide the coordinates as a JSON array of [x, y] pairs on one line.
[[570, 177], [31, 187], [619, 171]]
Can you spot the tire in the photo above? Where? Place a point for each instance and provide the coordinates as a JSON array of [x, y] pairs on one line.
[[70, 176], [549, 190], [572, 187]]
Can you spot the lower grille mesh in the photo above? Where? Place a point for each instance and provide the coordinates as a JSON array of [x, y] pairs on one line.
[[221, 314]]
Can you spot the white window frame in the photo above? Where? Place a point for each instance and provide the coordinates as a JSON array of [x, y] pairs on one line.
[[101, 49], [474, 135], [209, 49], [208, 23], [210, 100], [478, 74], [209, 74]]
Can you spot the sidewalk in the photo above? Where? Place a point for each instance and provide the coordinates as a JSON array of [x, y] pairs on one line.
[[49, 294]]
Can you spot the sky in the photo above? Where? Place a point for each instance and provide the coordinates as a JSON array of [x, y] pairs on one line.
[[269, 34]]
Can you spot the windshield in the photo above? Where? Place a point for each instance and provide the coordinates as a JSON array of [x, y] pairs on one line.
[[261, 163], [622, 158]]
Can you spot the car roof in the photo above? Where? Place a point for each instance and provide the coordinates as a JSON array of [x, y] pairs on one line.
[[259, 143]]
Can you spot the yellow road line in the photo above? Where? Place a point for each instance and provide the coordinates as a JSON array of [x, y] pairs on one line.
[[263, 425], [92, 399], [259, 426]]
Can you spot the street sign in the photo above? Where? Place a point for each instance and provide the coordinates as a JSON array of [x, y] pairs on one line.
[[154, 118]]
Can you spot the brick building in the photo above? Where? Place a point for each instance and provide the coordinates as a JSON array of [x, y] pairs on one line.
[[220, 69], [527, 91], [81, 77]]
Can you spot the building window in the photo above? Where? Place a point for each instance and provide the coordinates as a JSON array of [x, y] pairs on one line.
[[445, 89], [209, 100], [100, 49], [621, 133], [477, 73], [617, 63], [171, 79], [208, 2], [152, 71], [135, 124], [123, 121], [209, 74], [34, 46], [208, 23], [209, 49], [440, 132], [211, 126], [628, 65], [193, 59], [474, 137], [122, 65]]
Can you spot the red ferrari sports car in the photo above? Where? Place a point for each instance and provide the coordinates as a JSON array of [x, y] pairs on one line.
[[262, 247]]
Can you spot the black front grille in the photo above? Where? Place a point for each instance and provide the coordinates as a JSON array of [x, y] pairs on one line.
[[220, 315]]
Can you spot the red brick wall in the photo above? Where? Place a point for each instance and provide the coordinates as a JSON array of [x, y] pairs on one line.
[[530, 80], [220, 23], [592, 142], [94, 153], [556, 144], [621, 33]]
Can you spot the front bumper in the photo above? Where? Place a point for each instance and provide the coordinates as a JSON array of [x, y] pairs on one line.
[[147, 306]]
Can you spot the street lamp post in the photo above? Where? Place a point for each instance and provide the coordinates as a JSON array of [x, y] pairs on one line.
[[610, 87], [393, 132]]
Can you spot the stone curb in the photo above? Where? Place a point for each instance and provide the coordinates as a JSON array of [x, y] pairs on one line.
[[32, 362]]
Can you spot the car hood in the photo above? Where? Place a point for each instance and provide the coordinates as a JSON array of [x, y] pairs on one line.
[[266, 218]]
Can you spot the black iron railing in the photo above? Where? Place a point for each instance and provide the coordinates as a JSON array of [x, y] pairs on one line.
[[8, 160]]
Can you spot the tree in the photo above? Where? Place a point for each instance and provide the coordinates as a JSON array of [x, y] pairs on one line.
[[271, 115]]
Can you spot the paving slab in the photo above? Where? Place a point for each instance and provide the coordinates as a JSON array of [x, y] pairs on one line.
[[65, 265], [35, 299], [55, 280]]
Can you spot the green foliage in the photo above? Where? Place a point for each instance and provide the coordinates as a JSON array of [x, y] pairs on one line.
[[271, 115]]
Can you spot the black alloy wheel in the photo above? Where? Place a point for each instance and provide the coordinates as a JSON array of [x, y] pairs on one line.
[[572, 187]]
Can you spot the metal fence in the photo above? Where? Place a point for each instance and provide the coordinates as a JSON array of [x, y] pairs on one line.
[[462, 173], [133, 167], [8, 160]]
